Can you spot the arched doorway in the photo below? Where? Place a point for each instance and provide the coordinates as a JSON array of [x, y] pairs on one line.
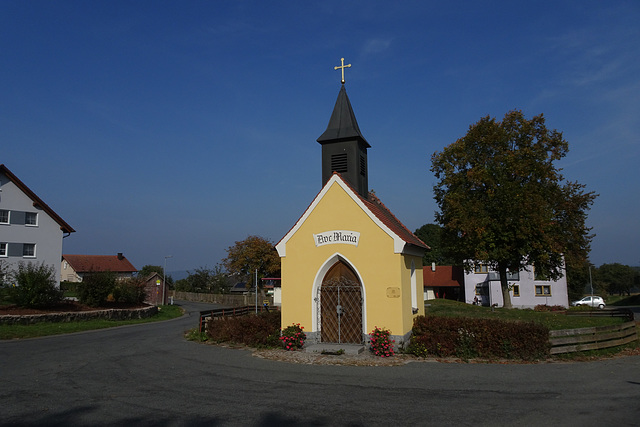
[[341, 306]]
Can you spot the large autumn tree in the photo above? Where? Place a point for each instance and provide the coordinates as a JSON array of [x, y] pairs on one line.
[[251, 254], [431, 234], [503, 201]]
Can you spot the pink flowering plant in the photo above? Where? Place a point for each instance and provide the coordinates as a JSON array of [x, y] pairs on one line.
[[381, 342], [292, 337]]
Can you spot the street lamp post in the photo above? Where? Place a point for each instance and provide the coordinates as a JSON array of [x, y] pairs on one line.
[[164, 277]]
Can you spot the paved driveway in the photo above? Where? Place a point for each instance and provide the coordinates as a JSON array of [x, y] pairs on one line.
[[149, 375]]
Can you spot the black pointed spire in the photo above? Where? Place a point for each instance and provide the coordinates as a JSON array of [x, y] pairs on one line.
[[342, 124], [344, 149]]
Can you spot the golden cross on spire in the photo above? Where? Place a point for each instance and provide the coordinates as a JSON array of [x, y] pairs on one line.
[[343, 67]]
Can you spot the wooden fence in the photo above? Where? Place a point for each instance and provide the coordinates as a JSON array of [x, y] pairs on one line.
[[571, 340], [623, 313]]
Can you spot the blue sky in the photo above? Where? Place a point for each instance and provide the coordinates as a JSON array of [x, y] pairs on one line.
[[161, 128]]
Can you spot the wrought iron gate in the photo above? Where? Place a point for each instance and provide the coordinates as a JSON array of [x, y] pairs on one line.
[[340, 308]]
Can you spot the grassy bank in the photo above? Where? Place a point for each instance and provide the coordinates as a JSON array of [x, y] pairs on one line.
[[7, 332], [552, 320]]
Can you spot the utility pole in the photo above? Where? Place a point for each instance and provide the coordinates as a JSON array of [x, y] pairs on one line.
[[164, 276]]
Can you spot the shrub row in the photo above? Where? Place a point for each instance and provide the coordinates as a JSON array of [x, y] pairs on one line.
[[255, 330], [99, 287], [469, 337], [35, 286]]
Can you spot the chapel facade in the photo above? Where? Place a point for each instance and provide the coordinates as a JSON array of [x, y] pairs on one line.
[[348, 264]]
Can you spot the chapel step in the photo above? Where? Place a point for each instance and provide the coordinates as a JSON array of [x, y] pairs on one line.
[[329, 348]]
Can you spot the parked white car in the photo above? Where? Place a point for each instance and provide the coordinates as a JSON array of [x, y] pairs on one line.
[[591, 301]]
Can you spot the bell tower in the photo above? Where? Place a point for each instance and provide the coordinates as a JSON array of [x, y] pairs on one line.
[[344, 149]]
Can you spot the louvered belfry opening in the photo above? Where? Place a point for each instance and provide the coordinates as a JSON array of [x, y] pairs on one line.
[[339, 162], [341, 306]]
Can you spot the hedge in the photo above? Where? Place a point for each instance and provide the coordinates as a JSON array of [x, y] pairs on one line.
[[486, 338], [255, 330]]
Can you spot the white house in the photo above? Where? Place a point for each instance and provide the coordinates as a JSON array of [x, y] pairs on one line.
[[526, 288], [29, 229]]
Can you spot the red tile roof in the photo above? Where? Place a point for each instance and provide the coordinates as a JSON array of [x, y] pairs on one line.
[[384, 214], [445, 275], [37, 201], [89, 263]]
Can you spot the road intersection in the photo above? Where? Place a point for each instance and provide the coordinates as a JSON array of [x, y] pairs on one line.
[[149, 374]]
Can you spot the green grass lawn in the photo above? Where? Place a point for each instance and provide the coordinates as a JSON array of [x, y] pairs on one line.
[[7, 332], [552, 320], [616, 300]]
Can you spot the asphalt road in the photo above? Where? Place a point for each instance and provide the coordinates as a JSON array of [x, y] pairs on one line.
[[149, 375]]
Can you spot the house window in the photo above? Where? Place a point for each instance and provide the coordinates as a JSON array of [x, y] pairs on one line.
[[516, 290], [31, 218], [481, 268], [515, 276], [4, 216], [3, 249], [29, 250], [543, 290]]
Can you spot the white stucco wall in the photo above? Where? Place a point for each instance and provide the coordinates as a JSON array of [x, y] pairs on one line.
[[46, 235]]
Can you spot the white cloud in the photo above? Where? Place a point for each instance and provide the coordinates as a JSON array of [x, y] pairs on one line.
[[375, 46]]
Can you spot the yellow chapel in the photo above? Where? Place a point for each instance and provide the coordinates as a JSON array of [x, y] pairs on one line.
[[348, 264]]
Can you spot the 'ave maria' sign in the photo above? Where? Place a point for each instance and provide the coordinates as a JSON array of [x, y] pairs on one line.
[[337, 236]]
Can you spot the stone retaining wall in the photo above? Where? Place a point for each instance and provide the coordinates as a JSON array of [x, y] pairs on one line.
[[227, 300], [110, 314]]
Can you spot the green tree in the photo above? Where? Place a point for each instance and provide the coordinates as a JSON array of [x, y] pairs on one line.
[[4, 273], [578, 277], [253, 253], [504, 203], [616, 278], [204, 279], [431, 235], [35, 286], [96, 287]]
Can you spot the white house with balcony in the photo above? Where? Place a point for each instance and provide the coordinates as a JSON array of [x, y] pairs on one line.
[[30, 231], [527, 289]]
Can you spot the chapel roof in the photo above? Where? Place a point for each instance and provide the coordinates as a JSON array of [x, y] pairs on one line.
[[342, 124], [372, 204], [94, 263], [37, 201], [389, 219]]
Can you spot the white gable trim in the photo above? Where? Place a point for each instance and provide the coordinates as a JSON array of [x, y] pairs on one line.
[[399, 244]]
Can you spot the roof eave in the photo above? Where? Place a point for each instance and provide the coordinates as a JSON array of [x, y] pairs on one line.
[[37, 201]]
